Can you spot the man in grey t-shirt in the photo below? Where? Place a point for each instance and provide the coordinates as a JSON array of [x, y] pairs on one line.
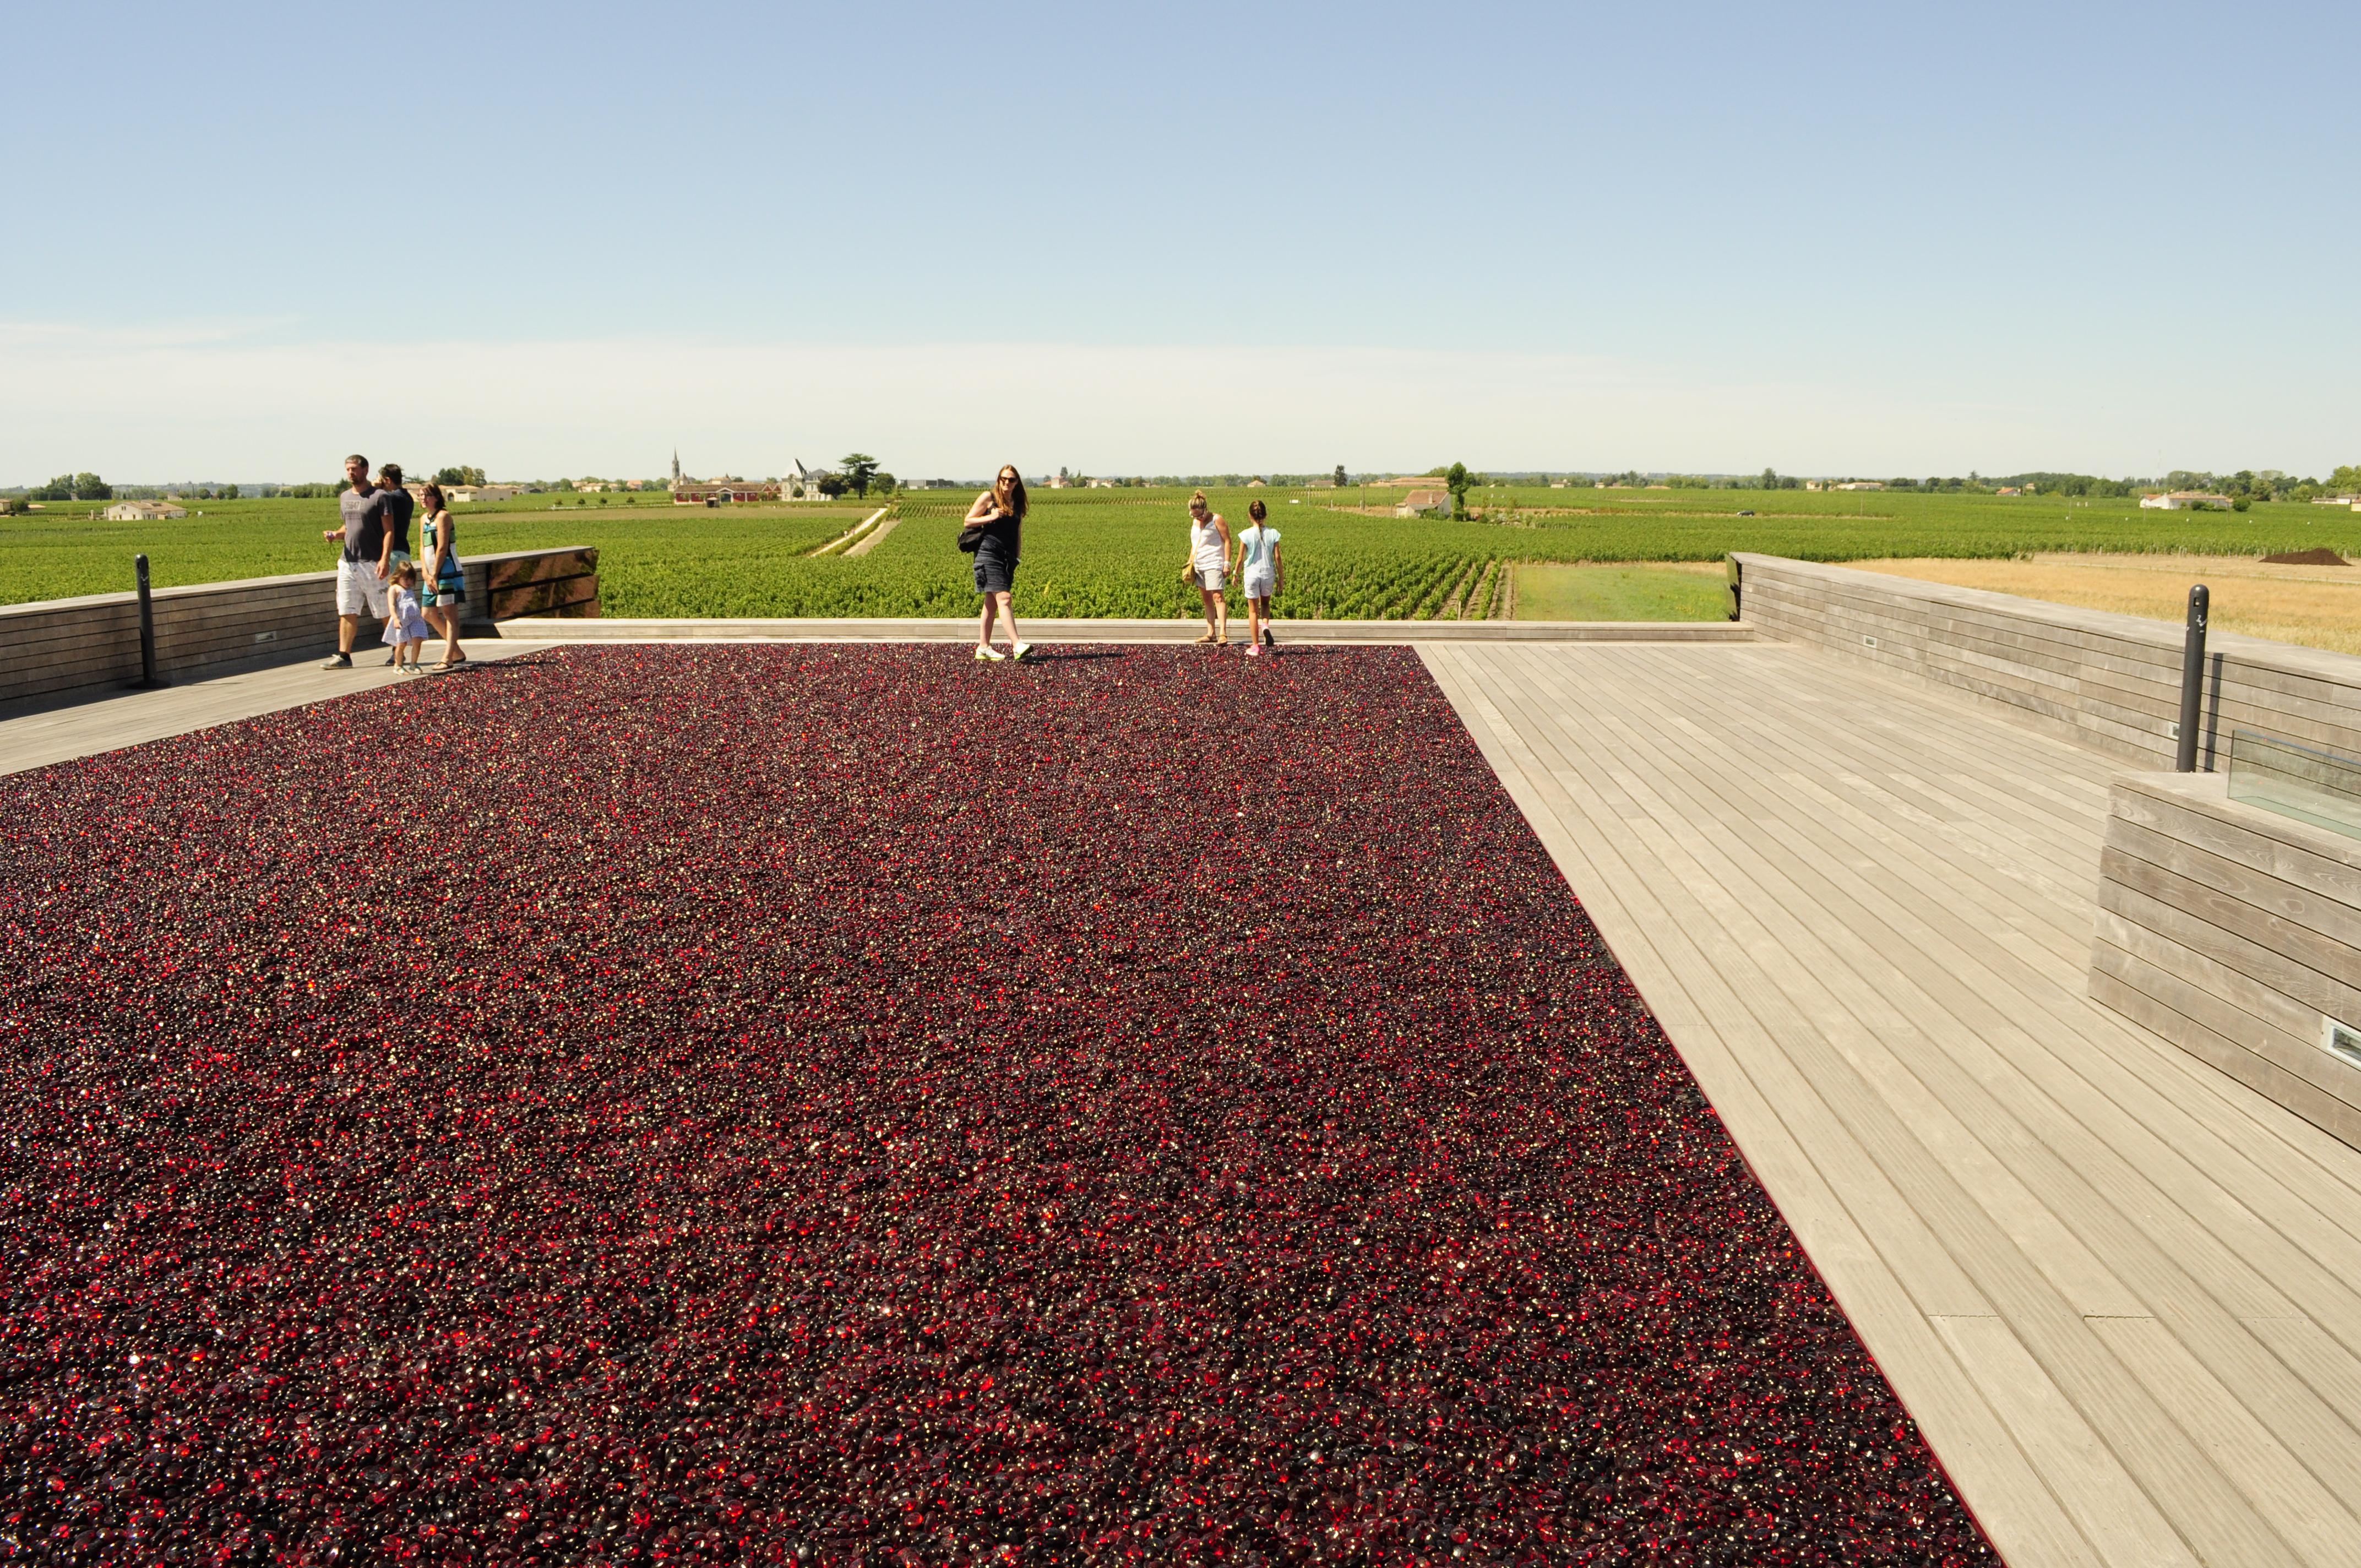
[[361, 572]]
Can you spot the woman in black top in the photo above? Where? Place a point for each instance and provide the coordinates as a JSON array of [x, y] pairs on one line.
[[997, 519]]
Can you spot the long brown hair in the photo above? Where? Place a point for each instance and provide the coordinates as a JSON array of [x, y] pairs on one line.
[[431, 488], [1015, 489]]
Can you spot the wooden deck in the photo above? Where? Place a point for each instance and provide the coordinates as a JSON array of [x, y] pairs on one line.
[[2120, 1292], [34, 735]]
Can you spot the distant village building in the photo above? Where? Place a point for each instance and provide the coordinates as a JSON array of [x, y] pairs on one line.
[[1860, 484], [143, 511], [803, 484], [589, 487], [723, 492], [1417, 501], [2183, 500], [462, 495], [1257, 484], [2008, 490]]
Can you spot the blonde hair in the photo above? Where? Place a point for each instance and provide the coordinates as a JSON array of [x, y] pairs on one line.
[[1198, 501]]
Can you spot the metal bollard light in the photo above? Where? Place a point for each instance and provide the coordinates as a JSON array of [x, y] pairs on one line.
[[146, 627], [2192, 679]]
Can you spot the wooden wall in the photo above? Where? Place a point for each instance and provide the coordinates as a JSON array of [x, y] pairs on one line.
[[60, 646], [2112, 681], [2232, 931]]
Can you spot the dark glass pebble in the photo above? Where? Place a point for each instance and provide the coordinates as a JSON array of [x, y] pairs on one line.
[[845, 1105]]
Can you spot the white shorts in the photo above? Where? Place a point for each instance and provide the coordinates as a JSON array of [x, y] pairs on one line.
[[1261, 585], [1210, 578], [361, 592]]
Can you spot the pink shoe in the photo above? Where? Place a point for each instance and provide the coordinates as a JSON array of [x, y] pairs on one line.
[[1253, 651]]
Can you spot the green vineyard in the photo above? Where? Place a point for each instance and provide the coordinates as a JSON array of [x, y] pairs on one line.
[[1118, 552]]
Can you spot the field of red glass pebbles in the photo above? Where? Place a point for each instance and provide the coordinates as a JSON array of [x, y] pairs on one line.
[[848, 1105]]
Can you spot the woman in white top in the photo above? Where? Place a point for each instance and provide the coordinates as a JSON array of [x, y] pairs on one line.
[[1208, 565], [1260, 571]]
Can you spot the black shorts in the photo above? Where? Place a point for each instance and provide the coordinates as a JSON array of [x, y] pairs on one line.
[[995, 570]]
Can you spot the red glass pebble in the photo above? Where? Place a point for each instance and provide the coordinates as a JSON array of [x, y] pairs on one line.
[[848, 1105]]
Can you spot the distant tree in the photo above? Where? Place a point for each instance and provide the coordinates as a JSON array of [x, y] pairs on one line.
[[858, 467], [885, 484], [1455, 480], [229, 492], [459, 475], [2345, 478], [832, 485], [1340, 476], [1770, 480]]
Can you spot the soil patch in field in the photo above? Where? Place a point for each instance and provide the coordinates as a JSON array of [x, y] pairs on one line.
[[1667, 591], [848, 1105], [2316, 605]]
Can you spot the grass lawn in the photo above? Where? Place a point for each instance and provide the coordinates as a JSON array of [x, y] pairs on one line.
[[1550, 592]]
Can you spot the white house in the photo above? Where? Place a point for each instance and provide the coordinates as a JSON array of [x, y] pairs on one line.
[[802, 484], [143, 511], [1417, 501], [2183, 500], [1860, 484]]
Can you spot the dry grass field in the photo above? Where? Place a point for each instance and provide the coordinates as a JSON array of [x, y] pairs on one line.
[[2319, 606]]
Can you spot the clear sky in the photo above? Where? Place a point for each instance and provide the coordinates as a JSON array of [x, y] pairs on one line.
[[241, 240]]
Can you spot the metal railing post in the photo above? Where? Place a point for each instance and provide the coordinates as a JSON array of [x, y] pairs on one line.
[[2192, 679], [146, 626]]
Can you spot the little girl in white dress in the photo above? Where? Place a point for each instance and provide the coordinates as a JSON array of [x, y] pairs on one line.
[[406, 629]]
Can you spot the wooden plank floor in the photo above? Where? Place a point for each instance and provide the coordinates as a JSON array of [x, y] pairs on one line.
[[2120, 1292], [80, 724]]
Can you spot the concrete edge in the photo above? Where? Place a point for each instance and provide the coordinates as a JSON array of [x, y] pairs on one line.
[[1041, 630]]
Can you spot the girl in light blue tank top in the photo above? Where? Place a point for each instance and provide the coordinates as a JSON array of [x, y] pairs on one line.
[[1261, 572]]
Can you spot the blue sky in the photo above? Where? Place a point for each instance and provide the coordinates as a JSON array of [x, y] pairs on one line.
[[548, 239]]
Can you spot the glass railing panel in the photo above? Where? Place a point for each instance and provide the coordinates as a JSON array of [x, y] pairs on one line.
[[2303, 782]]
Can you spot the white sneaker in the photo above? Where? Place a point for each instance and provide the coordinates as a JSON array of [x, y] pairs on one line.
[[989, 656], [1018, 651]]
